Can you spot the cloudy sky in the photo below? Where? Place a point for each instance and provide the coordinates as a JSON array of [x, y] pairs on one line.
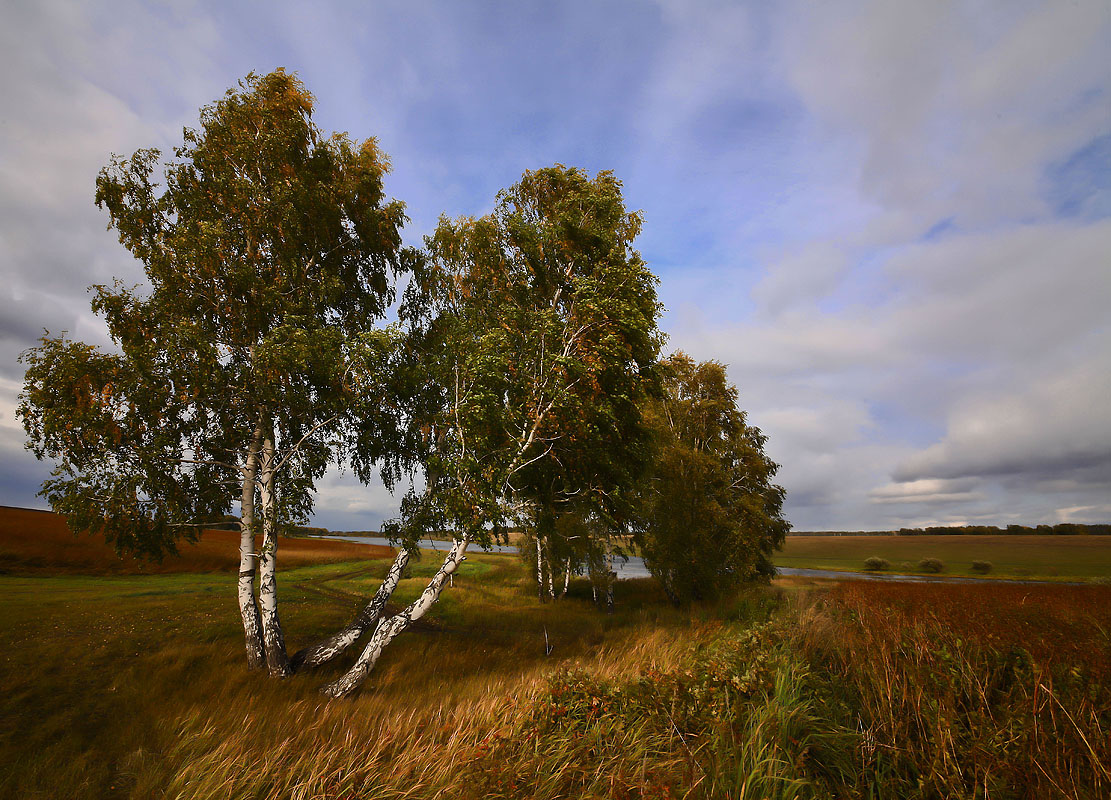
[[892, 220]]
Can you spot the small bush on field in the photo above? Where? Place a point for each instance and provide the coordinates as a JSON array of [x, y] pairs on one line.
[[876, 564], [931, 565], [983, 567]]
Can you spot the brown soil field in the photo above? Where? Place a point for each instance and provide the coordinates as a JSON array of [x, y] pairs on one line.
[[39, 542]]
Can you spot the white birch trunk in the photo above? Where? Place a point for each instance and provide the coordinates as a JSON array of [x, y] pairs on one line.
[[566, 579], [388, 629], [277, 661], [551, 571], [327, 649], [610, 576], [539, 569], [248, 559]]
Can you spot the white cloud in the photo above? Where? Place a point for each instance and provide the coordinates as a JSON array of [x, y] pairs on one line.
[[1004, 294], [343, 493], [926, 491], [789, 161], [1085, 514], [702, 62], [802, 276], [958, 107], [820, 427], [1050, 426]]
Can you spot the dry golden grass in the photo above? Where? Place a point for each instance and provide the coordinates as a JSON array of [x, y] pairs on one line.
[[134, 686]]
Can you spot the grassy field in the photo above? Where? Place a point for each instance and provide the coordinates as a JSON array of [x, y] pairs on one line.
[[134, 686], [1041, 557]]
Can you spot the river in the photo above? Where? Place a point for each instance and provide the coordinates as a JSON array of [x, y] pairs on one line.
[[635, 568]]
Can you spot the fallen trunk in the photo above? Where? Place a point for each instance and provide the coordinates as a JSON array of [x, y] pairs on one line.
[[389, 628], [326, 649]]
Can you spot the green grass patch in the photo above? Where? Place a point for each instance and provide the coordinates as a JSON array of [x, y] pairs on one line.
[[1038, 557]]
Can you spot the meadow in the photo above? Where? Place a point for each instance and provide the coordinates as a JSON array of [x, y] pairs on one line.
[[134, 686], [1037, 557]]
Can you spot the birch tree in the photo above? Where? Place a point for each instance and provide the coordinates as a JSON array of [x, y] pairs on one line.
[[710, 515], [536, 330], [269, 250]]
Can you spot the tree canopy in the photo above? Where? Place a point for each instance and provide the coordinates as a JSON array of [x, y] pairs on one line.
[[536, 325], [267, 251], [710, 515]]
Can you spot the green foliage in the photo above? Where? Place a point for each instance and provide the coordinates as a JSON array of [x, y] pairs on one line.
[[931, 565], [983, 567], [535, 331], [116, 432], [876, 564], [709, 515], [269, 250]]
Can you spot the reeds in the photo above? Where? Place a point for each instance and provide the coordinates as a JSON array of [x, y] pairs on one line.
[[853, 691]]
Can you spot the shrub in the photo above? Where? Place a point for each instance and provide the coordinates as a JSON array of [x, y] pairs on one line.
[[983, 567], [931, 565], [876, 564]]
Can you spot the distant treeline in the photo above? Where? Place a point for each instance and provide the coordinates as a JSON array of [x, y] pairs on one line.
[[1061, 529], [305, 530]]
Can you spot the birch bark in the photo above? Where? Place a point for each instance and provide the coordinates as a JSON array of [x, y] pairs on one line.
[[248, 558], [388, 629], [539, 569], [551, 571], [327, 649], [277, 661], [610, 577]]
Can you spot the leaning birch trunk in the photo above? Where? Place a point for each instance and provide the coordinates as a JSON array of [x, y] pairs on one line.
[[389, 628], [248, 559], [277, 661], [327, 649]]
